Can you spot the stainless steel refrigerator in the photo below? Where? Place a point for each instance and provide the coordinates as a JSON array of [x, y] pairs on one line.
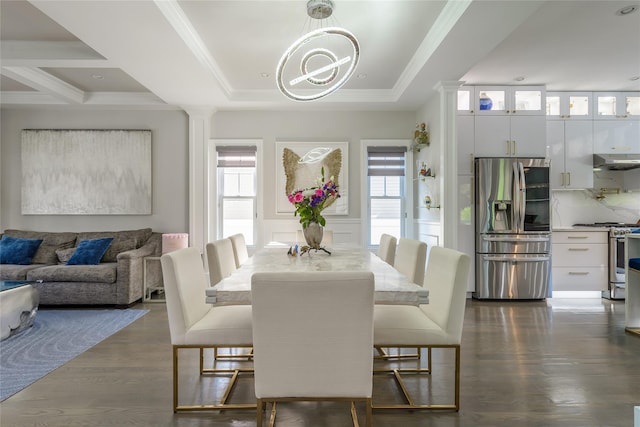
[[513, 228]]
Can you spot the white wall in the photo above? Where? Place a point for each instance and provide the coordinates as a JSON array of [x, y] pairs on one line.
[[428, 224], [169, 168], [352, 127]]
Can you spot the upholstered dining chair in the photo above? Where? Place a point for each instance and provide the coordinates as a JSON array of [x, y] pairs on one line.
[[387, 248], [195, 324], [434, 325], [239, 245], [312, 338], [222, 263], [410, 259], [220, 259]]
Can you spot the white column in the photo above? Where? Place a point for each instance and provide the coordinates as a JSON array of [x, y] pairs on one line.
[[448, 164], [199, 130]]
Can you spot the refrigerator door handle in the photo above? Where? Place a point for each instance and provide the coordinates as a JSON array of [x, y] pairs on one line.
[[523, 195], [516, 259], [514, 239]]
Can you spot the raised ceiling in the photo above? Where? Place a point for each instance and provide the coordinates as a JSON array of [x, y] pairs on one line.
[[222, 55]]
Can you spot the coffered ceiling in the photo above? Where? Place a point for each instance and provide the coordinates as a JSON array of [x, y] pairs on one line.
[[222, 54]]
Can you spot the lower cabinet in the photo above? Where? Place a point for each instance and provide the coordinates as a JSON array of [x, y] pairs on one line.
[[579, 260]]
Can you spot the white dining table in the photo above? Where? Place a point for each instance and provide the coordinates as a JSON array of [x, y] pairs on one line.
[[391, 287]]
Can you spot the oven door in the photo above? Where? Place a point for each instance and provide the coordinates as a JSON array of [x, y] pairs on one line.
[[616, 260]]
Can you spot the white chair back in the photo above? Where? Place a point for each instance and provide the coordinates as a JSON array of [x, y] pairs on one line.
[[220, 259], [387, 248], [184, 286], [313, 334], [239, 249], [446, 279], [410, 259]]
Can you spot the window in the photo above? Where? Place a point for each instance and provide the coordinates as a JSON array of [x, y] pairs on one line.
[[386, 207], [237, 191]]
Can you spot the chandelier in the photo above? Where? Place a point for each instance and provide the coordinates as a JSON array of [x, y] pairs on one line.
[[319, 62]]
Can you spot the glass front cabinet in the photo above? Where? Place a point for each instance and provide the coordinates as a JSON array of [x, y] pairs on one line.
[[501, 100], [616, 105], [569, 105]]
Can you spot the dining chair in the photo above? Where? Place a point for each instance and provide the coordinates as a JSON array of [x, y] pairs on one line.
[[239, 245], [387, 248], [195, 324], [434, 325], [220, 259], [410, 259], [313, 338], [222, 263]]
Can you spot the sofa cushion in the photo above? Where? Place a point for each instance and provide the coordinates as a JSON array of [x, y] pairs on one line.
[[51, 241], [141, 236], [64, 255], [16, 272], [15, 250], [102, 273], [90, 252]]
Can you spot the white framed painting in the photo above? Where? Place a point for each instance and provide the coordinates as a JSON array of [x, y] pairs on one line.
[[299, 165], [86, 172]]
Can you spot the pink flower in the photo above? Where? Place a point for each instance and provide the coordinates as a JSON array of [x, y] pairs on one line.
[[298, 197], [319, 192]]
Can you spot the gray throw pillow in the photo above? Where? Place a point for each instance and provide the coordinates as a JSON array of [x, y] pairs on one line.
[[64, 255]]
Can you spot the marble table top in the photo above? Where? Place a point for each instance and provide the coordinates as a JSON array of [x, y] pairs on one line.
[[391, 287]]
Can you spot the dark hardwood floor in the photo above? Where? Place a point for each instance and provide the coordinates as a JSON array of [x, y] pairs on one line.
[[548, 363]]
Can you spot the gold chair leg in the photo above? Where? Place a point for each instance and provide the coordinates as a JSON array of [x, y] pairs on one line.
[[410, 404], [272, 419], [259, 409], [222, 405]]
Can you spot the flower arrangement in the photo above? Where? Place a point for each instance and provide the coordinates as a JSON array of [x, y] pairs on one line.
[[310, 202]]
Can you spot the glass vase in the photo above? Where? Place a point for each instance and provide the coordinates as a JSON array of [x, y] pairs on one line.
[[313, 235]]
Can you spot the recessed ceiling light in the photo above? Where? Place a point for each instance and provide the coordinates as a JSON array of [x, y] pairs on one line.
[[97, 76], [518, 79], [634, 78], [265, 75], [361, 76], [627, 10]]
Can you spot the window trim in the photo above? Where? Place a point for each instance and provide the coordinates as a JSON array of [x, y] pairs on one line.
[[364, 180], [214, 233]]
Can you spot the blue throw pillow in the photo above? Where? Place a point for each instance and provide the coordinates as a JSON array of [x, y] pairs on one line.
[[14, 250], [89, 252], [634, 263]]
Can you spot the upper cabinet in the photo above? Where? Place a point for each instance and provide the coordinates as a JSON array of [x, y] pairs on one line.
[[616, 105], [509, 100], [569, 105]]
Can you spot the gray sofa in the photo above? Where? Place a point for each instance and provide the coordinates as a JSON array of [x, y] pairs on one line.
[[116, 281]]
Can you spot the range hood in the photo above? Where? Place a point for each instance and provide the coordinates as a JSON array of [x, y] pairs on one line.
[[619, 162]]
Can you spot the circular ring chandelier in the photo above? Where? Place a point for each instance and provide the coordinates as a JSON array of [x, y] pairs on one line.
[[325, 75]]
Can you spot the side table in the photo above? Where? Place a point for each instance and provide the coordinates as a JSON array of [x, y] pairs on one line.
[[148, 291]]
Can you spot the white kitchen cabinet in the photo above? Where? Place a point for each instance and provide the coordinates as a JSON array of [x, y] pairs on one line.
[[510, 136], [569, 105], [466, 100], [571, 151], [616, 105], [616, 136], [465, 134], [509, 100], [466, 227], [579, 260]]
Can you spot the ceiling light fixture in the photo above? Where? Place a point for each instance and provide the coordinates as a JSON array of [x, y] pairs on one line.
[[97, 76], [326, 49], [627, 10]]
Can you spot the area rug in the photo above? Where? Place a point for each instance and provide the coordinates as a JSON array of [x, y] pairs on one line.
[[56, 337]]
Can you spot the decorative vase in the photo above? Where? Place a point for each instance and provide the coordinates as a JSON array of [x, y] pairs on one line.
[[485, 102], [313, 235]]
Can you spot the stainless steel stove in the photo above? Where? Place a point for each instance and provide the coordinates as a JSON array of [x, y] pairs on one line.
[[617, 233]]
